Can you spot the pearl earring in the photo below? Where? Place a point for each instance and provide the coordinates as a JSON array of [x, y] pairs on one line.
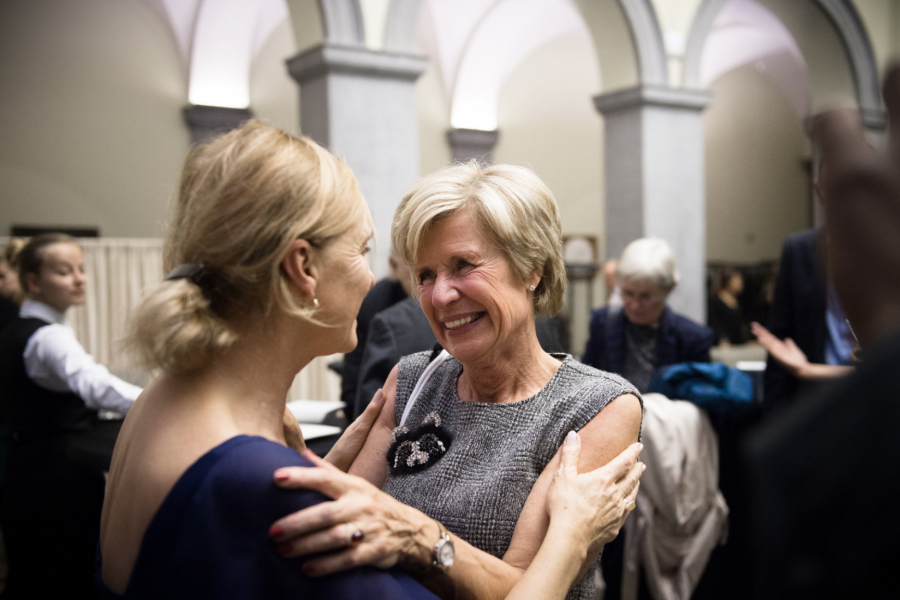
[[531, 288], [315, 302]]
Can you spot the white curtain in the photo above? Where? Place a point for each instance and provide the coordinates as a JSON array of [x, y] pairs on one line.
[[119, 270]]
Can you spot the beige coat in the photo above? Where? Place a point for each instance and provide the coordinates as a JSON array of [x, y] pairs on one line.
[[681, 515]]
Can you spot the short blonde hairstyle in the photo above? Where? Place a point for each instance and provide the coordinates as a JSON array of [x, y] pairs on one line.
[[649, 259], [243, 200], [515, 209]]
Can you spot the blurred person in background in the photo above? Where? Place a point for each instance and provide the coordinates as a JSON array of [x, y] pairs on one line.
[[11, 294], [724, 313], [826, 470], [386, 293], [806, 309], [53, 389], [644, 334]]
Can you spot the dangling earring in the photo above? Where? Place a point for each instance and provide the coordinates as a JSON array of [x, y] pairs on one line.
[[315, 303], [531, 288]]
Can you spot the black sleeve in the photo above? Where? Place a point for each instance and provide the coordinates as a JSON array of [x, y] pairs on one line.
[[778, 383], [380, 356], [596, 344]]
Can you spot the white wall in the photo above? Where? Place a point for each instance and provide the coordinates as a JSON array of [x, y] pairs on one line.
[[547, 121], [757, 188], [90, 114], [274, 96]]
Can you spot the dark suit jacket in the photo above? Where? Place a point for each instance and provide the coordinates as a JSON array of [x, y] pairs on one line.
[[383, 294], [825, 475], [403, 329], [680, 340], [394, 333], [798, 310]]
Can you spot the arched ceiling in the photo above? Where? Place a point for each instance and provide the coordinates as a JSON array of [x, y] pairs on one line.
[[217, 40], [479, 43], [746, 33]]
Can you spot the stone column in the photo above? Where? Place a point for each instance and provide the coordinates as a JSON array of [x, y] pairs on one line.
[[655, 180], [467, 144], [361, 104], [207, 122]]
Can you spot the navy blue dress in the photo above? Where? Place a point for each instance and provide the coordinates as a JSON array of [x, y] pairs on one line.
[[210, 539]]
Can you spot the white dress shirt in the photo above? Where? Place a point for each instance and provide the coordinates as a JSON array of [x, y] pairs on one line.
[[56, 361]]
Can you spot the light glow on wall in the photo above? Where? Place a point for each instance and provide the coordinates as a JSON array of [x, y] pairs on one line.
[[227, 35], [508, 33]]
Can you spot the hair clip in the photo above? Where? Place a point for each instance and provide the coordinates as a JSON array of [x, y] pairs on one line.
[[192, 271]]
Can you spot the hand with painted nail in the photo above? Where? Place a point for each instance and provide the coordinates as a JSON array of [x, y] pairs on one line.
[[361, 526], [593, 506]]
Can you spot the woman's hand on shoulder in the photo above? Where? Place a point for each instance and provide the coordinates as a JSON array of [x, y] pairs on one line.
[[361, 526], [592, 507]]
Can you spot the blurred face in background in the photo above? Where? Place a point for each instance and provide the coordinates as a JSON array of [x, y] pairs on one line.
[[61, 281], [9, 282], [643, 302], [735, 284]]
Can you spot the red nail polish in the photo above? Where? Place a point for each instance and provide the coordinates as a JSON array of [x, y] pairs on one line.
[[281, 476], [284, 548], [308, 570], [276, 532]]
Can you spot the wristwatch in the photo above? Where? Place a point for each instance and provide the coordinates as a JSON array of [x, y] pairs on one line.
[[443, 551]]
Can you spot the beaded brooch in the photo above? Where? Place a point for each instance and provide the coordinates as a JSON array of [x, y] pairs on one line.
[[416, 450]]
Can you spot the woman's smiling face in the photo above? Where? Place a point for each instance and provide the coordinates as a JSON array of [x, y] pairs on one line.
[[474, 301]]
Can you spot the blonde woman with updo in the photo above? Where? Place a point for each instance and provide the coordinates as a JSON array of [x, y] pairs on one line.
[[266, 255]]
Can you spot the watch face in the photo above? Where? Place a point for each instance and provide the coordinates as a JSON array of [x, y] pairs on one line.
[[445, 554]]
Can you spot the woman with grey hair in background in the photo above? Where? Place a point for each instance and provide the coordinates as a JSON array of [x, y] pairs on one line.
[[645, 334], [466, 444]]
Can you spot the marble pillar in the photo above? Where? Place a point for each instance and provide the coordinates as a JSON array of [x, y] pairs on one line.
[[207, 122], [467, 144], [361, 104], [655, 180]]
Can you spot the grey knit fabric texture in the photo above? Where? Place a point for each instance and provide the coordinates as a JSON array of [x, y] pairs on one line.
[[479, 487]]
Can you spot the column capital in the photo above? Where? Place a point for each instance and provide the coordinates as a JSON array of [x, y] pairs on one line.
[[467, 144], [652, 95], [207, 122], [354, 60]]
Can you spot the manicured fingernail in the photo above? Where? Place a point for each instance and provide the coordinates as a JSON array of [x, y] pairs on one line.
[[276, 531], [284, 548], [307, 453], [643, 467], [642, 446], [281, 476], [308, 570], [571, 437]]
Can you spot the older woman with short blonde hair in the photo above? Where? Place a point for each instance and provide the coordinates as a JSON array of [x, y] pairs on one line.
[[466, 444]]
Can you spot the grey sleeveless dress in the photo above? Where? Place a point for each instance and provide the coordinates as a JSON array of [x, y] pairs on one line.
[[479, 487]]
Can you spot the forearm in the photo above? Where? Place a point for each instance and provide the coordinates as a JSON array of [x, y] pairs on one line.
[[475, 574], [821, 372], [555, 567]]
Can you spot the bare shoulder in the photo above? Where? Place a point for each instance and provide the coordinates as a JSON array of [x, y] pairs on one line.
[[612, 430]]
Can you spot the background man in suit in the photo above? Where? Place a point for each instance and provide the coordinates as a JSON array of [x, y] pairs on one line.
[[384, 294], [805, 309]]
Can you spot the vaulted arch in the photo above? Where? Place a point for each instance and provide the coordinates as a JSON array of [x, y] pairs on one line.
[[848, 30]]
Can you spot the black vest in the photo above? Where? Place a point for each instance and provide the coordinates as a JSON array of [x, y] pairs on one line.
[[26, 407]]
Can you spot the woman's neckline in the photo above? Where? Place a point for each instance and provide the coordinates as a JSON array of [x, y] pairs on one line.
[[564, 360]]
